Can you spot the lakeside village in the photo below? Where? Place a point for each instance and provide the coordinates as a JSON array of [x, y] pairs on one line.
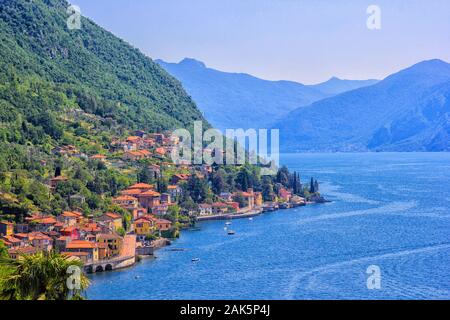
[[110, 223]]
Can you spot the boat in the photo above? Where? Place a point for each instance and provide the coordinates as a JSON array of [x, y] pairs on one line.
[[195, 259], [231, 232], [251, 219], [228, 223]]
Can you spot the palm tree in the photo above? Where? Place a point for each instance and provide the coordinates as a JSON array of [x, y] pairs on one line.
[[42, 276]]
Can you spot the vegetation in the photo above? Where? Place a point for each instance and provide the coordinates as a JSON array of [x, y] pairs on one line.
[[43, 276]]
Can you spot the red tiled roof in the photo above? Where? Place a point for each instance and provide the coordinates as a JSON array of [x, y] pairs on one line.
[[141, 186], [81, 244], [125, 198]]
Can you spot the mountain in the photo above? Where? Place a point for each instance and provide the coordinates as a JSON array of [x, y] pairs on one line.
[[90, 67], [335, 86], [237, 100], [407, 111]]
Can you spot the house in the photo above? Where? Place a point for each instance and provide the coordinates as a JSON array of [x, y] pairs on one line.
[[21, 228], [149, 199], [165, 198], [177, 178], [163, 225], [61, 243], [6, 228], [205, 209], [226, 196], [219, 208], [90, 248], [43, 224], [258, 199], [160, 210], [99, 157], [11, 242], [159, 137], [71, 232], [114, 242], [160, 151], [126, 202], [82, 256], [142, 187], [40, 241], [139, 212], [57, 180], [285, 194], [143, 227], [174, 191], [233, 205], [15, 253], [140, 133], [112, 220], [70, 218], [90, 228], [131, 192], [249, 198]]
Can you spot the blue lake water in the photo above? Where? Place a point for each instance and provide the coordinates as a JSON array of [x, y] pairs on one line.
[[391, 210]]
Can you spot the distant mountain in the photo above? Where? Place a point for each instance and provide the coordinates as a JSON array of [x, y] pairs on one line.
[[407, 111], [335, 86], [237, 100]]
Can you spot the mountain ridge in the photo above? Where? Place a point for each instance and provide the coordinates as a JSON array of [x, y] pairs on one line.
[[241, 100], [407, 111]]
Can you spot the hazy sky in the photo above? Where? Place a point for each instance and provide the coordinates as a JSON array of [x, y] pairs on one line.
[[305, 41]]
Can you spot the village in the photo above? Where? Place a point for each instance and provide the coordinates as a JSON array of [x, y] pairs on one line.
[[155, 213]]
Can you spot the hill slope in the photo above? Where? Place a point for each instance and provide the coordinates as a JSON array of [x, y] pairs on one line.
[[106, 76], [335, 86], [407, 111], [237, 100]]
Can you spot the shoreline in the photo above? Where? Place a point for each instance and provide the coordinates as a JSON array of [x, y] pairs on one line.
[[161, 243]]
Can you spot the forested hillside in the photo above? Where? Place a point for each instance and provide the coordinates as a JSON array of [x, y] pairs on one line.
[[72, 87]]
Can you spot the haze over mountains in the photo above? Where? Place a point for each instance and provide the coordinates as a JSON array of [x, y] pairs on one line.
[[407, 111], [237, 100]]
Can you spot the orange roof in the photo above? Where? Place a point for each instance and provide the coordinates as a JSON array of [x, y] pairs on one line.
[[81, 244], [150, 193], [113, 215], [133, 138], [45, 220], [12, 239], [98, 156], [125, 198], [70, 214], [69, 229], [23, 250], [161, 151], [172, 187], [131, 192], [7, 223], [141, 186], [38, 236]]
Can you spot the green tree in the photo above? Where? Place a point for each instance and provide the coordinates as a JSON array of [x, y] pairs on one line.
[[42, 276]]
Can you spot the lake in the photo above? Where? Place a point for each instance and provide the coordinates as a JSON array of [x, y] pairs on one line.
[[389, 210]]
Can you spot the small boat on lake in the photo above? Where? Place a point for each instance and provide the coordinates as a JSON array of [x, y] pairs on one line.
[[195, 260], [231, 232], [228, 223]]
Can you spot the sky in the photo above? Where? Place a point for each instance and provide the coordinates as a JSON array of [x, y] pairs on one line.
[[299, 40]]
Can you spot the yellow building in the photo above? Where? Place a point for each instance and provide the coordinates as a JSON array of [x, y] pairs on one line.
[[143, 227], [6, 228], [90, 248], [114, 242], [113, 220], [258, 199]]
